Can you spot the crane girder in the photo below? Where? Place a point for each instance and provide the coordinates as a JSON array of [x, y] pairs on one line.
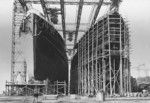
[[73, 2], [78, 19], [43, 4], [97, 11], [115, 4], [93, 16], [63, 19], [23, 4]]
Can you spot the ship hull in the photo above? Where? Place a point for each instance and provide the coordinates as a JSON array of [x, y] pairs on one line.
[[50, 59]]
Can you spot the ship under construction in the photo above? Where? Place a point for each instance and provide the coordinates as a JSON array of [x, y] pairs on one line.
[[102, 58], [70, 58]]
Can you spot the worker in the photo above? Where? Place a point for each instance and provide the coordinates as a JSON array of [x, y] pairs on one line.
[[145, 92], [36, 94]]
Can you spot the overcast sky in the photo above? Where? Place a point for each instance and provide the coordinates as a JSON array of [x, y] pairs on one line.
[[138, 17]]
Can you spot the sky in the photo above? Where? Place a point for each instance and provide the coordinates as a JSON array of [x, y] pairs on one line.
[[136, 13]]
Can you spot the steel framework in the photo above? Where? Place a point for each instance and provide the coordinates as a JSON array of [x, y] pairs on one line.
[[18, 63]]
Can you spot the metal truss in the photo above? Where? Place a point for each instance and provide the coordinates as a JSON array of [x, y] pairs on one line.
[[69, 2], [63, 19], [97, 11], [78, 19], [23, 4], [18, 63], [97, 6]]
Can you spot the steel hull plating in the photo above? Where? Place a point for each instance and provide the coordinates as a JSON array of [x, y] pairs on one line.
[[50, 59]]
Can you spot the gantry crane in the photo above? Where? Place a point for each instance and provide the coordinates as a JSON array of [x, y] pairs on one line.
[[18, 63]]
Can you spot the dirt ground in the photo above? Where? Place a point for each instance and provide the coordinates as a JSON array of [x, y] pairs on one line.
[[107, 100], [81, 100]]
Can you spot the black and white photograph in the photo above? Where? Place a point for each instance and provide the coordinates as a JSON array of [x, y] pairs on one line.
[[74, 51]]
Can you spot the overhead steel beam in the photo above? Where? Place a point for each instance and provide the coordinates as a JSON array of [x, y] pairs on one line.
[[44, 9], [63, 19], [78, 19], [115, 4], [68, 2], [23, 4], [92, 14], [68, 30], [97, 11], [83, 24]]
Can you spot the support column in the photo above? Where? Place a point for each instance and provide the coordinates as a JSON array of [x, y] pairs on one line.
[[103, 60], [69, 68], [128, 58], [79, 69], [92, 64], [121, 81], [109, 49], [85, 72], [114, 76], [96, 58], [88, 68], [82, 68]]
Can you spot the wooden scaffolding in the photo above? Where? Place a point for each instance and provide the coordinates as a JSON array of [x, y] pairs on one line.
[[103, 58], [28, 89]]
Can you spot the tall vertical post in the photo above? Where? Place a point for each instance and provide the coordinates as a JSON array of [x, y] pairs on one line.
[[114, 76], [69, 68], [128, 58], [121, 82], [109, 49], [85, 69], [82, 73], [103, 60], [96, 58], [92, 64], [88, 67], [25, 72], [79, 68]]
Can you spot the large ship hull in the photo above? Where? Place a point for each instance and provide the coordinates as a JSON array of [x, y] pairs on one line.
[[50, 59]]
